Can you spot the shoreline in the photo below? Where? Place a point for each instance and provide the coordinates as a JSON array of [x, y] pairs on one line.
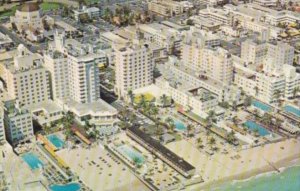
[[282, 165]]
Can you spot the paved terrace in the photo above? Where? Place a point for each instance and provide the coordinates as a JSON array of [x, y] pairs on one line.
[[158, 149]]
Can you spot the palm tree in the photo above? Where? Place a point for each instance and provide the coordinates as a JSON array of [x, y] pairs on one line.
[[234, 105], [170, 123], [142, 101], [295, 91], [132, 117], [189, 128], [47, 129], [207, 134], [212, 141], [247, 101], [256, 132], [199, 141], [131, 96], [231, 137], [164, 100], [169, 120], [172, 127], [278, 123], [154, 111], [277, 95], [210, 118], [256, 90], [267, 119], [235, 120], [136, 162]]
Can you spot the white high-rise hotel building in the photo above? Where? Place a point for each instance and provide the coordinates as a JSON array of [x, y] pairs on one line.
[[213, 63], [26, 77], [74, 70], [266, 68], [134, 68]]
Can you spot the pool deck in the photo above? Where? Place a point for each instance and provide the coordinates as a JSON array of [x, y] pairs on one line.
[[107, 178], [18, 173]]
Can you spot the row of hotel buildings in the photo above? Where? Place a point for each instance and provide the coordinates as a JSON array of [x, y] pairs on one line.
[[66, 76], [44, 87]]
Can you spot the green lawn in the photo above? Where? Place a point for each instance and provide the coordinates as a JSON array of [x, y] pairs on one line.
[[9, 12], [92, 1], [44, 6], [148, 97], [50, 6]]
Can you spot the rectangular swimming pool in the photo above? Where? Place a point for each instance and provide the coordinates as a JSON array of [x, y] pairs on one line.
[[56, 141], [32, 160], [261, 106], [131, 153], [292, 110], [253, 126], [65, 187]]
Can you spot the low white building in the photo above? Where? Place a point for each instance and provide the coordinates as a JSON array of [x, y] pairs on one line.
[[46, 112], [191, 97], [92, 12], [5, 41], [97, 113]]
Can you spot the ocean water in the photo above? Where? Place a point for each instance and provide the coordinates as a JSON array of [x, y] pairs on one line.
[[288, 180]]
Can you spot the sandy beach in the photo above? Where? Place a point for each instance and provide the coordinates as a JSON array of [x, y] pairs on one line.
[[251, 162]]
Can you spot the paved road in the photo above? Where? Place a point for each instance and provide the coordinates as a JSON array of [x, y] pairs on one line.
[[18, 40]]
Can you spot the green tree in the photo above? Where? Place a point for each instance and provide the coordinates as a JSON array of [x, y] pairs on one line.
[[164, 100], [199, 142], [142, 102], [256, 90], [131, 96], [136, 162], [231, 137], [247, 101], [212, 142], [189, 128], [296, 90], [277, 95], [267, 119]]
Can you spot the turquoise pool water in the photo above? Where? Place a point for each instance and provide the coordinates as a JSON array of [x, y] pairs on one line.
[[56, 141], [179, 125], [292, 110], [131, 154], [32, 160], [288, 180], [65, 187], [252, 126], [261, 106]]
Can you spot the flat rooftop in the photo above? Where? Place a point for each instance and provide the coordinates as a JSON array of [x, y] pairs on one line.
[[82, 109]]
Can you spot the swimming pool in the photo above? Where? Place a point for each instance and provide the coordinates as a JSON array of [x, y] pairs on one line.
[[131, 154], [65, 187], [32, 160], [261, 106], [252, 126], [180, 126], [292, 110], [56, 141]]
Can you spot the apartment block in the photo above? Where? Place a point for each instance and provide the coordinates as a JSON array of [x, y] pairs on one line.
[[134, 68], [26, 78], [166, 7]]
